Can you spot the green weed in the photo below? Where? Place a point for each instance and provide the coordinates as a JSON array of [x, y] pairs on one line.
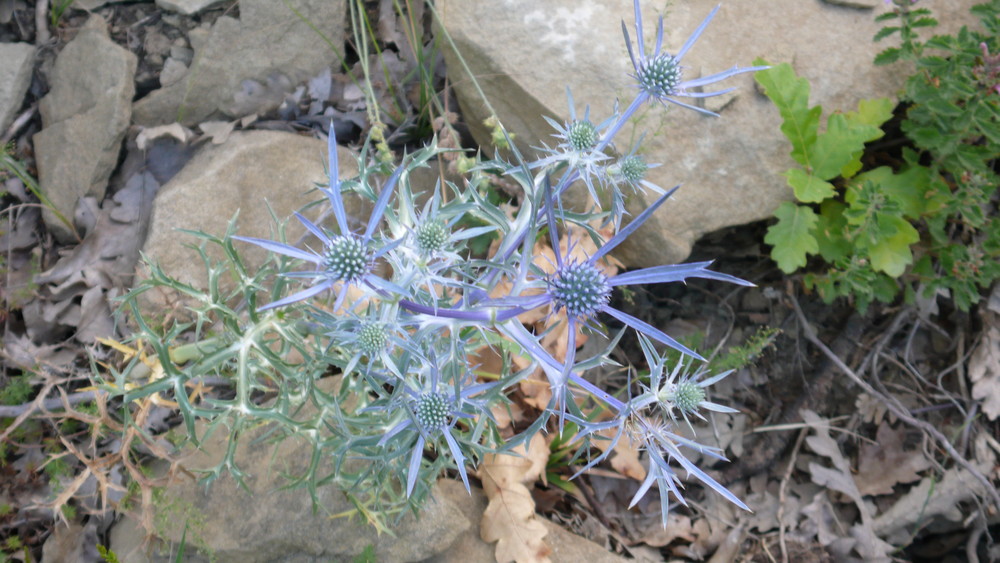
[[925, 225]]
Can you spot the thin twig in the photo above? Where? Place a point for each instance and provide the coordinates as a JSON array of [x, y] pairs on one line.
[[13, 411], [972, 542], [57, 403], [42, 34], [19, 122], [900, 413], [781, 493]]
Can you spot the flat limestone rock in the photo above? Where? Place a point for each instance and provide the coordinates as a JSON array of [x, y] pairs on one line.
[[229, 524], [525, 53], [248, 172], [16, 60], [269, 43], [84, 119]]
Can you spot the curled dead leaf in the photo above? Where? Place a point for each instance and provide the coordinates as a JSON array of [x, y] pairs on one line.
[[510, 518]]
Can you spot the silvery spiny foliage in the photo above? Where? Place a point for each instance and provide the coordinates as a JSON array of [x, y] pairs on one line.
[[387, 323]]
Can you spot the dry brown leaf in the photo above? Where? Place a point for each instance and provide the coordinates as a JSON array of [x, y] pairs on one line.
[[174, 130], [984, 372], [624, 457], [219, 131], [678, 527], [871, 409], [884, 464], [510, 518], [839, 478], [938, 496]]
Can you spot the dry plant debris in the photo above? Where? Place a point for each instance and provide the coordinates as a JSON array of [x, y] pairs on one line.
[[510, 518]]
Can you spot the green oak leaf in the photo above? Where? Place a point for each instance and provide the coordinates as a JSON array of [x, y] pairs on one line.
[[892, 255], [790, 95], [808, 188], [792, 237], [830, 230]]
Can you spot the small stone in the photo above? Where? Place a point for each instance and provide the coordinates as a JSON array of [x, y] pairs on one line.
[[16, 60], [186, 7], [270, 36], [859, 4], [156, 43], [84, 119], [182, 53], [173, 71]]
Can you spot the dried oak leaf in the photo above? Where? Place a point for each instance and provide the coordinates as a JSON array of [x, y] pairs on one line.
[[624, 456], [984, 372], [937, 496], [510, 518], [839, 478], [884, 464]]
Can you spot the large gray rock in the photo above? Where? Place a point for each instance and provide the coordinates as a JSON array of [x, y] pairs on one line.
[[226, 523], [16, 60], [265, 522], [248, 172], [524, 54], [84, 118], [269, 43]]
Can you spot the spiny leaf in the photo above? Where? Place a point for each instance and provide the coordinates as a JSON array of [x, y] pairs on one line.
[[792, 237]]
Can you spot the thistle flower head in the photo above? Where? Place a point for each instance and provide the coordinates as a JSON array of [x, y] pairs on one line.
[[632, 168], [582, 135], [433, 403], [659, 74], [580, 288], [432, 236], [682, 390], [432, 410], [581, 147], [684, 396], [345, 258], [372, 337]]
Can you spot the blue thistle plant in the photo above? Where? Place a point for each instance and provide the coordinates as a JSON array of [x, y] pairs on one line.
[[648, 419], [405, 350], [663, 446], [579, 148], [582, 290], [345, 258], [372, 340], [660, 74], [431, 409], [680, 390], [628, 171], [430, 256]]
